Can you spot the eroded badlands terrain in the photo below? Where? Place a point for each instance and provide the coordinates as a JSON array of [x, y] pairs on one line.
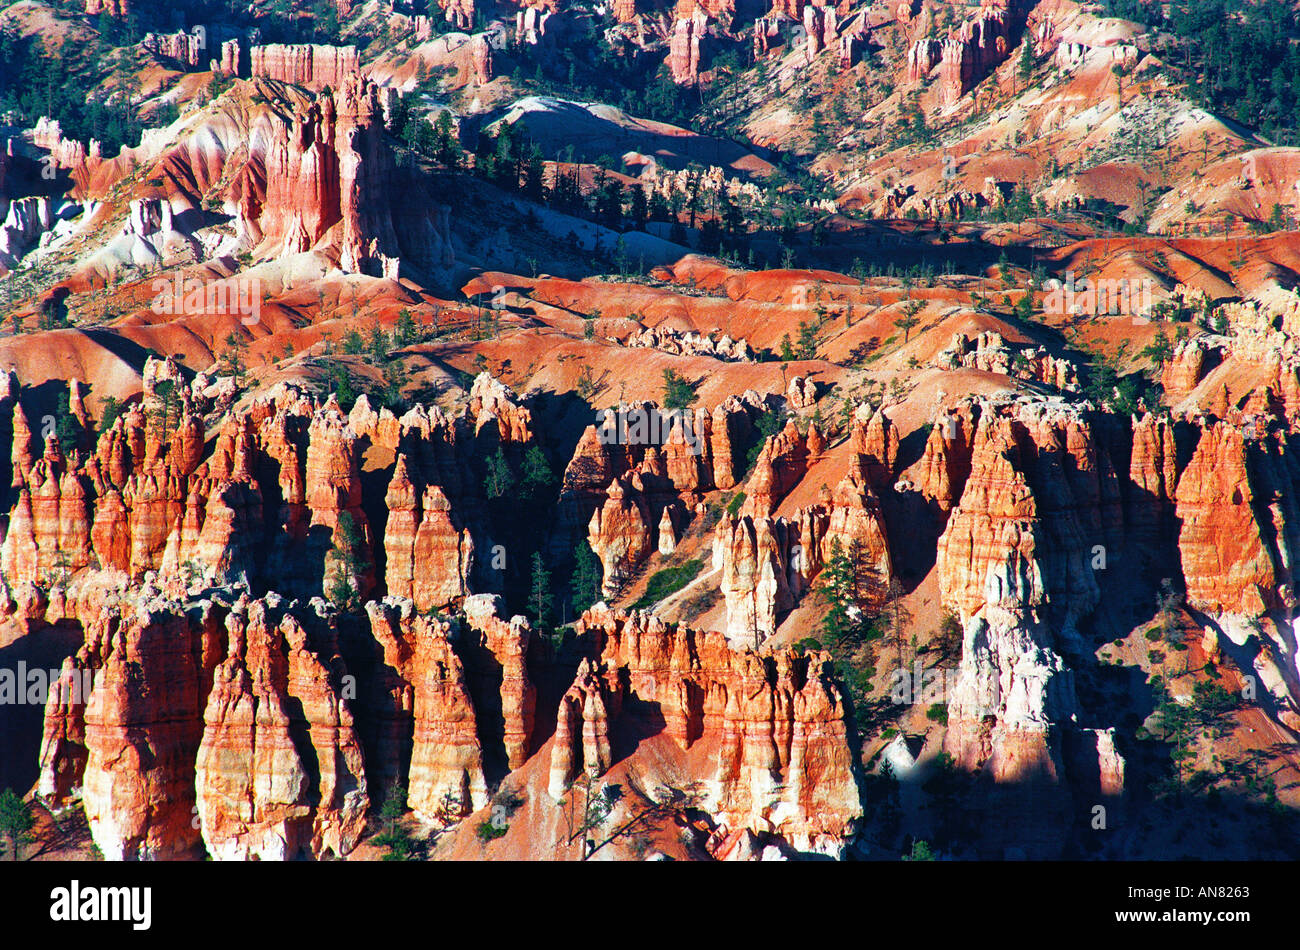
[[645, 431]]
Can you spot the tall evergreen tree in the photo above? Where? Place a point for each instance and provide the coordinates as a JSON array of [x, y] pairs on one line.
[[540, 598], [585, 585]]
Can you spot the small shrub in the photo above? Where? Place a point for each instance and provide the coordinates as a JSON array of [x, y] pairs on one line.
[[668, 581]]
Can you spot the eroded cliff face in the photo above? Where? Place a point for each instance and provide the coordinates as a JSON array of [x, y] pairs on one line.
[[280, 771], [326, 180], [1015, 562], [206, 723], [642, 469], [314, 67], [232, 709], [970, 52], [237, 726], [771, 727], [768, 563], [1229, 566], [274, 499], [130, 744]]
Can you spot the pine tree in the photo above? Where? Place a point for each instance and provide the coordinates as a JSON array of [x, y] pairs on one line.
[[585, 583], [679, 392], [499, 479], [540, 598], [837, 587], [1027, 59], [405, 333], [15, 822], [378, 344], [537, 479], [66, 426], [807, 340], [401, 846], [347, 561], [446, 146]]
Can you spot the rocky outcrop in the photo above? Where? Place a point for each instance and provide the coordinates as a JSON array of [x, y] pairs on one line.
[[25, 222], [922, 56], [326, 182], [1228, 566], [143, 726], [874, 439], [1017, 563], [338, 534], [148, 499], [781, 465], [581, 741], [80, 159], [280, 772], [819, 25], [620, 533], [768, 731], [481, 59], [429, 558], [184, 48], [497, 662], [1191, 360], [233, 59], [459, 703], [311, 66], [446, 777], [851, 48], [682, 455], [493, 402], [966, 55], [684, 51], [989, 353], [1153, 479], [459, 13], [768, 563], [691, 343], [801, 393], [941, 474], [977, 47], [531, 23], [753, 554]]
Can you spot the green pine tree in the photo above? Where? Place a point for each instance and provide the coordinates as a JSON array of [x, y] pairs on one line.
[[585, 584], [537, 479], [499, 480], [540, 598], [346, 563], [679, 392], [838, 588], [1026, 66], [16, 823]]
